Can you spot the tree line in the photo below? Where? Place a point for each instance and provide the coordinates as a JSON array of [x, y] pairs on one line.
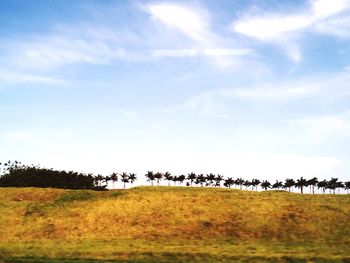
[[15, 174]]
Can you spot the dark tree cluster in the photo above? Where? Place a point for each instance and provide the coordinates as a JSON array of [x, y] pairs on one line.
[[15, 174]]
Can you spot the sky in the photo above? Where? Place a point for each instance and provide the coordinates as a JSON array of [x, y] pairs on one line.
[[252, 89]]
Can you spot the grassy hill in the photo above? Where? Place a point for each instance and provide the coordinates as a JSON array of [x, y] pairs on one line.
[[172, 224]]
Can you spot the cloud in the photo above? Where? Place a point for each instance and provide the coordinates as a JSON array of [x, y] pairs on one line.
[[283, 29], [55, 50], [320, 127], [229, 103], [193, 22], [17, 77], [209, 52]]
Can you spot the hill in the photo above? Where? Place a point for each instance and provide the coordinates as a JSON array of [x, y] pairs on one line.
[[172, 224]]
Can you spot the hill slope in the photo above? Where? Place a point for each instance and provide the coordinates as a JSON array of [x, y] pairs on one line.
[[173, 224]]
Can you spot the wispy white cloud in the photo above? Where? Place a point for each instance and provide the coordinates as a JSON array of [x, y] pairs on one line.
[[317, 90], [322, 127], [17, 77], [209, 52], [195, 23], [283, 29], [58, 49]]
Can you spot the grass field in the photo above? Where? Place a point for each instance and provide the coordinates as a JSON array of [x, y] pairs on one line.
[[172, 224]]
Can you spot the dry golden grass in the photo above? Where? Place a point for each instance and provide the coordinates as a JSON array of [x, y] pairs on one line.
[[173, 223]]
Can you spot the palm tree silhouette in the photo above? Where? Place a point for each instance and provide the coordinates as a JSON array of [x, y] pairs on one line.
[[347, 186], [124, 177], [210, 178], [150, 177], [114, 178], [277, 185], [301, 183], [239, 181], [228, 182], [255, 183], [181, 178], [312, 183], [200, 179], [333, 184], [168, 177], [132, 178], [289, 183], [218, 180], [265, 185], [191, 177], [322, 184], [158, 176]]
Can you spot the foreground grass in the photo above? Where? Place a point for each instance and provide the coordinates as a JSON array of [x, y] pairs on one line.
[[172, 224]]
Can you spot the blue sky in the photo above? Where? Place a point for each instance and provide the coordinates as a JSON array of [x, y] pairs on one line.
[[243, 88]]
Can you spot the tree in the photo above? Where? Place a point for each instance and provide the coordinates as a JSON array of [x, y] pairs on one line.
[[124, 177], [150, 177], [255, 183], [239, 181], [191, 177], [277, 184], [289, 183], [247, 184], [200, 179], [218, 180], [301, 183], [322, 184], [347, 186], [168, 177], [158, 176], [174, 179], [181, 178], [114, 178], [265, 185], [333, 184], [312, 183], [210, 178], [132, 178], [228, 182]]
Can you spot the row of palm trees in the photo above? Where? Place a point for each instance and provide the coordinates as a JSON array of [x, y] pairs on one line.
[[217, 180]]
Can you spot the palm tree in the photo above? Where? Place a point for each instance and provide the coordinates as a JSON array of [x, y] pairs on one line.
[[99, 178], [312, 183], [301, 183], [106, 179], [200, 179], [124, 177], [210, 178], [168, 177], [132, 178], [347, 186], [277, 185], [333, 184], [150, 177], [174, 179], [239, 181], [158, 176], [191, 177], [322, 184], [114, 178], [218, 180], [255, 183], [181, 178], [265, 185], [228, 182], [247, 184], [289, 183]]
